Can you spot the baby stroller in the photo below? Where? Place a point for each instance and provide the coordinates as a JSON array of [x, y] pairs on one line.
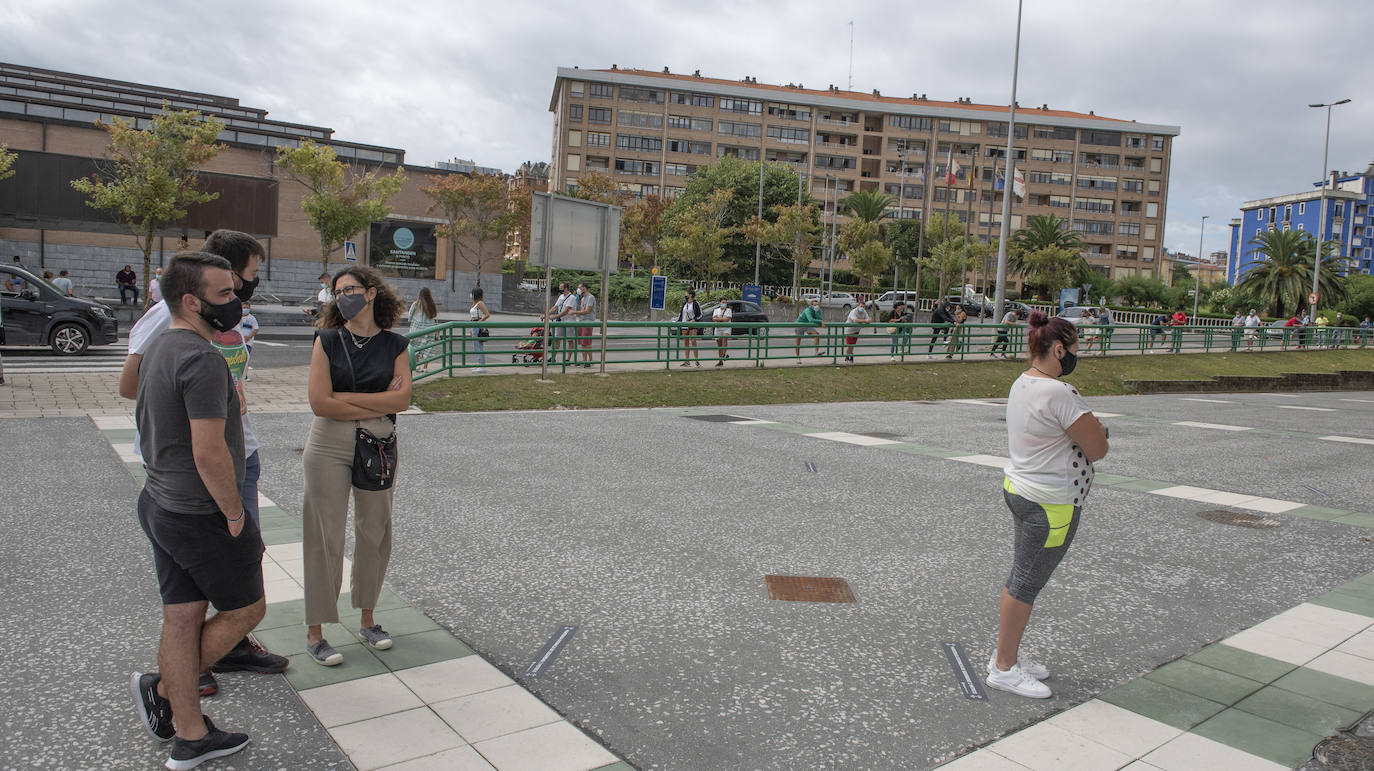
[[530, 351]]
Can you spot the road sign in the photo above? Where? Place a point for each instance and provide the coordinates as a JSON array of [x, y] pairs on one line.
[[1312, 299], [655, 270], [350, 251], [752, 293], [658, 292]]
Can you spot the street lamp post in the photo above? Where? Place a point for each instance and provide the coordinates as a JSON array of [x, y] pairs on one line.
[[758, 242], [1321, 225], [1005, 230], [901, 192], [1197, 273]]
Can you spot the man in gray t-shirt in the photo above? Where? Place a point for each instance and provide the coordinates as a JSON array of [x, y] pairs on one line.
[[204, 549]]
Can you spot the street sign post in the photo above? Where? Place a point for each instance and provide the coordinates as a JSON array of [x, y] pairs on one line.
[[752, 293], [350, 251], [658, 293], [1312, 299]]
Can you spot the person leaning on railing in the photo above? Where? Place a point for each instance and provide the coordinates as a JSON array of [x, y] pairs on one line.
[[811, 314]]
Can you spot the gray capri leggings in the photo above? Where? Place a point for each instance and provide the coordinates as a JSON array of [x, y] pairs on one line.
[[1043, 534]]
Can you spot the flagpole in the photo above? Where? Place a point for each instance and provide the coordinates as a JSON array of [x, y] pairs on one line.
[[949, 188], [968, 227], [1005, 230], [989, 227]]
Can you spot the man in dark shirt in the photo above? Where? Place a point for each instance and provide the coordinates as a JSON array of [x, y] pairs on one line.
[[127, 281], [204, 548]]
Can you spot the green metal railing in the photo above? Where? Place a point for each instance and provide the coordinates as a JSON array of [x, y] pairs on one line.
[[453, 346]]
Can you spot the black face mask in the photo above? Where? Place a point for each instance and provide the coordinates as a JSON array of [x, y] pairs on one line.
[[222, 317], [245, 291], [1067, 362]]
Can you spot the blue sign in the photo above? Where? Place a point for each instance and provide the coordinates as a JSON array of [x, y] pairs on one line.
[[1068, 298], [403, 238], [752, 293], [350, 251], [658, 292]]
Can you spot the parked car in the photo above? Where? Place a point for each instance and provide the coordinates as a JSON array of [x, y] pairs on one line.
[[1022, 310], [973, 307], [529, 285], [887, 300], [38, 314], [739, 311], [1076, 314], [843, 300]]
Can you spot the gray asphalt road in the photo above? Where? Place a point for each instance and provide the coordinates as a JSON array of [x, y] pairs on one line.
[[651, 532]]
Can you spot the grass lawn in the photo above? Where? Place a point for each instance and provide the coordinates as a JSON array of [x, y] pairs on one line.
[[869, 382]]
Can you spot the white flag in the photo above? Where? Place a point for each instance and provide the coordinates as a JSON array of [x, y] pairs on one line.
[[1018, 184]]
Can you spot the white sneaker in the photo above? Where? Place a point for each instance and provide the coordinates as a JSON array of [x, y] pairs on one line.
[[1018, 682], [479, 371], [1034, 669], [892, 358]]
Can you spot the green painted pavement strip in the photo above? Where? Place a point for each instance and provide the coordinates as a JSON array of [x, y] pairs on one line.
[[1199, 680], [1362, 605], [1328, 688], [1161, 702], [1293, 709], [1260, 736], [1251, 666]]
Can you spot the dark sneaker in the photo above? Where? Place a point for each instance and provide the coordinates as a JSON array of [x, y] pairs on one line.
[[209, 686], [248, 656], [154, 711], [215, 744], [375, 637], [323, 653]]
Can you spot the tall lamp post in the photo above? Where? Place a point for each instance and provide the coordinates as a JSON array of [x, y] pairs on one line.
[[1005, 230], [901, 193], [1321, 225], [1197, 268]]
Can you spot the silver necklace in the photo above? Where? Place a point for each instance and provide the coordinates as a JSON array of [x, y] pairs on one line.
[[355, 339]]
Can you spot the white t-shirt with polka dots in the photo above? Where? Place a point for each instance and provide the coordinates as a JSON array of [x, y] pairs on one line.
[[1046, 466]]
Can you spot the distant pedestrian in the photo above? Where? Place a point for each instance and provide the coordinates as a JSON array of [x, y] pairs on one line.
[[1237, 327], [691, 311], [48, 276], [127, 281], [249, 328], [1178, 321], [940, 315], [1292, 331], [858, 318], [722, 315], [899, 332], [562, 306], [1252, 325], [1107, 324], [478, 313], [583, 312], [812, 316], [1157, 325], [63, 283], [359, 380], [1305, 331], [1003, 340], [956, 342], [154, 289], [1089, 329], [1053, 439], [423, 314], [1364, 333], [188, 416]]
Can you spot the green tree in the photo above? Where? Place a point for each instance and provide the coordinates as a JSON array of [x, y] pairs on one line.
[[594, 186], [339, 202], [478, 211], [1053, 267], [950, 252], [7, 160], [151, 177], [904, 238], [696, 241], [1142, 291], [867, 205], [1041, 231], [1181, 275], [795, 231], [641, 231], [1283, 280], [1359, 295], [742, 179], [868, 256]]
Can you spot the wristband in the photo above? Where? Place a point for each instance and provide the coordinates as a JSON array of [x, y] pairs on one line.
[[235, 519]]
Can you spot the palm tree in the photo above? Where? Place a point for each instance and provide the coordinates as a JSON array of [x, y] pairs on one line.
[[867, 205], [1283, 280], [1045, 231]]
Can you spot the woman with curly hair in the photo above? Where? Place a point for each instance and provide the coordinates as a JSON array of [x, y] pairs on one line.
[[359, 378]]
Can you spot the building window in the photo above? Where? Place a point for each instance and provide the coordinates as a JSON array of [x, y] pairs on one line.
[[1104, 138], [1000, 130], [1156, 165], [574, 139], [1095, 204], [1063, 156], [1150, 232], [1133, 162], [1288, 212], [1099, 160], [638, 94], [1302, 207], [834, 162], [599, 115], [960, 127], [1133, 185], [688, 146], [1135, 143], [1340, 207], [676, 169], [1259, 215], [737, 129], [742, 106], [574, 113], [693, 100], [598, 163], [1126, 252], [909, 122], [598, 139], [730, 151], [638, 168], [639, 119], [1060, 201], [1152, 210], [602, 90], [1157, 144], [907, 146], [798, 136], [789, 111], [1041, 154], [1128, 229], [1094, 227], [1096, 183], [1054, 132], [576, 88], [638, 144], [1040, 178], [574, 163]]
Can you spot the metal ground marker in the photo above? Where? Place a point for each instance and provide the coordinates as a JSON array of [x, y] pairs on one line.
[[550, 651], [811, 467], [964, 675]]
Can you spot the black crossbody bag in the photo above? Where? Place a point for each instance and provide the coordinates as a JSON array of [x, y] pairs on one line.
[[374, 458]]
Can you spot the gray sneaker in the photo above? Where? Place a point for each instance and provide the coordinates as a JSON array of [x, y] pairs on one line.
[[323, 653], [375, 637]]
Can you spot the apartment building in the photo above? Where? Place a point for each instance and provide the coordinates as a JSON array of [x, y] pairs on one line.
[[650, 130]]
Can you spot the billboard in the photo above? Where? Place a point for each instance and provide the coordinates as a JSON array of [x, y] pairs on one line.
[[584, 235], [403, 249]]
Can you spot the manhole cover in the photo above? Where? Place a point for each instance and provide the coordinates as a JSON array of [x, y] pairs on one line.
[[1342, 752], [716, 418], [808, 589], [1239, 519]]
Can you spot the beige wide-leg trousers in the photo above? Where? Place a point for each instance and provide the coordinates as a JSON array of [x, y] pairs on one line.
[[328, 464]]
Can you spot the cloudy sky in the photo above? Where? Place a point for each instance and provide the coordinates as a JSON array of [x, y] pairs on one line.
[[473, 79]]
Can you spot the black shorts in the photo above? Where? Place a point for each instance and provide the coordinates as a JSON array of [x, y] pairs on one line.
[[198, 560]]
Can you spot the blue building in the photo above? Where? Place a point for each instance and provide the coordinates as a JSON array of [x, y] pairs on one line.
[[1349, 221]]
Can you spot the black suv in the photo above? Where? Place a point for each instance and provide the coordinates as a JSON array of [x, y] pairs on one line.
[[33, 312]]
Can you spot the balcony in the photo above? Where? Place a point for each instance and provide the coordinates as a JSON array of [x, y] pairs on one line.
[[845, 123]]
